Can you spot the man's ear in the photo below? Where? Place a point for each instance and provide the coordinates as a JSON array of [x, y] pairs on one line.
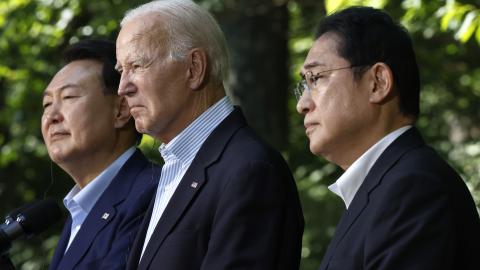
[[382, 83], [197, 62], [122, 112]]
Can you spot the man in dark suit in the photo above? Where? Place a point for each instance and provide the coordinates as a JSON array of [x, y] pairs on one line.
[[90, 134], [225, 200], [406, 207]]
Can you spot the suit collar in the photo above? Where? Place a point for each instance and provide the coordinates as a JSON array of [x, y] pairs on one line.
[[86, 197], [407, 141], [186, 144], [348, 184], [190, 185], [103, 212]]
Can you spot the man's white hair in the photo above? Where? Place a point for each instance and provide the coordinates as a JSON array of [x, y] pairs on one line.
[[188, 26]]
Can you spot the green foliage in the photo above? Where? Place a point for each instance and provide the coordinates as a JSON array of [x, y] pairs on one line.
[[33, 32], [333, 5], [461, 18]]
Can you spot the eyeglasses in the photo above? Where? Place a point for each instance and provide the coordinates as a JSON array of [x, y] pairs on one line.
[[309, 81]]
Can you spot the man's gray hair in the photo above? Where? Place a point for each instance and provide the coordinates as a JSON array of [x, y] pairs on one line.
[[188, 26]]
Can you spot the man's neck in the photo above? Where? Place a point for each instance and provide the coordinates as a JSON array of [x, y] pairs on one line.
[[84, 170], [205, 99], [365, 140]]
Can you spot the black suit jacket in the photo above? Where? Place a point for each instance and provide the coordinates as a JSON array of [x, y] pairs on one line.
[[236, 207], [108, 232], [412, 211]]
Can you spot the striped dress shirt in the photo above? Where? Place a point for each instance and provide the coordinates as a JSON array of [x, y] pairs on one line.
[[179, 153]]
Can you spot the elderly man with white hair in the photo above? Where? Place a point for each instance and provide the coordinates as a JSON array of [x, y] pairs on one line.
[[225, 200]]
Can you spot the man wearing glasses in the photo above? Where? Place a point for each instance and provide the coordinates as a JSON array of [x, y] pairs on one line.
[[406, 207]]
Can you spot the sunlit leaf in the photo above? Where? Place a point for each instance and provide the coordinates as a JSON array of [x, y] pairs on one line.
[[333, 5], [376, 3], [470, 23]]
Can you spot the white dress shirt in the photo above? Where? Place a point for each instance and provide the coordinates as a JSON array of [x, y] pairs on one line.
[[348, 184], [79, 202], [179, 154]]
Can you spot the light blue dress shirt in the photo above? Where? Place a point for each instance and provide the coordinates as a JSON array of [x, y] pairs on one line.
[[79, 202], [179, 154]]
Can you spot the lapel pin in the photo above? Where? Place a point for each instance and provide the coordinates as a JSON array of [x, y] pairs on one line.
[[105, 216], [194, 184]]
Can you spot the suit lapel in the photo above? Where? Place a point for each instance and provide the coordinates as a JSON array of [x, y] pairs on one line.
[[62, 244], [192, 182], [407, 141], [90, 228], [177, 205], [137, 246], [104, 210]]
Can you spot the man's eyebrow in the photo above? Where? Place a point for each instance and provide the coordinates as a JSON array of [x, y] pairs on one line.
[[63, 87], [309, 66], [313, 64]]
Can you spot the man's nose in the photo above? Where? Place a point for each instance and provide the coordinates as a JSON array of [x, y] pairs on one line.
[[126, 87], [305, 103], [54, 114]]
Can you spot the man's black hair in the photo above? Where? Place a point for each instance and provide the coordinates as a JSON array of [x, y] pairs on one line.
[[368, 36]]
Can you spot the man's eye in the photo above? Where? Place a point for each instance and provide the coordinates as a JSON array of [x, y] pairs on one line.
[[315, 78], [46, 104], [136, 66], [69, 97], [312, 79]]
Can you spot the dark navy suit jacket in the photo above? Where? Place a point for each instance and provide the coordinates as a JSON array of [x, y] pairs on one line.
[[412, 211], [104, 241], [236, 207]]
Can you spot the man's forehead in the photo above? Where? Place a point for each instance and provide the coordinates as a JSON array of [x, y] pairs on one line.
[[136, 51], [141, 29], [137, 44], [144, 21], [317, 57], [131, 40], [75, 74], [323, 53]]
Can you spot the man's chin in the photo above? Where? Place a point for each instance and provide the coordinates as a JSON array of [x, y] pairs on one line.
[[142, 128], [315, 148], [58, 157], [139, 127]]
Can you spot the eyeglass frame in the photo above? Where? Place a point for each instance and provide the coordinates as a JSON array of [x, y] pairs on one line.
[[302, 85]]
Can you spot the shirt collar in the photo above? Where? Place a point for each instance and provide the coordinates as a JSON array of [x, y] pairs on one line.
[[348, 184], [87, 197], [187, 143]]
